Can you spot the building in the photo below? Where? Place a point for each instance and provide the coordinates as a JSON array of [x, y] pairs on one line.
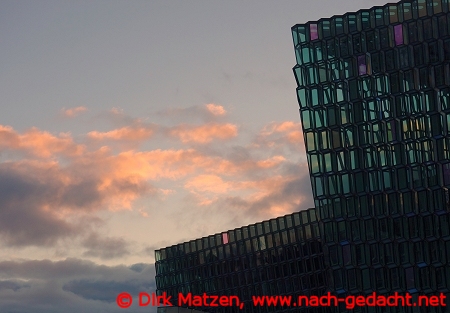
[[276, 257], [374, 96]]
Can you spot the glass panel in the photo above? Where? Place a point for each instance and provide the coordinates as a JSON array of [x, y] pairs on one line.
[[422, 7], [224, 238], [398, 34], [313, 31], [384, 37], [393, 17], [346, 255], [352, 23], [427, 29], [326, 29], [305, 52], [362, 68], [409, 273]]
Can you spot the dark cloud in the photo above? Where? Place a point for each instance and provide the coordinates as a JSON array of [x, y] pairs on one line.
[[38, 199], [12, 285], [43, 269], [81, 195], [23, 198], [138, 267], [71, 286], [107, 290]]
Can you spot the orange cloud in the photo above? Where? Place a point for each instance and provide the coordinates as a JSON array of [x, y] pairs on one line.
[[163, 164], [72, 112], [204, 133], [208, 183], [283, 127], [215, 109], [281, 133], [292, 130], [295, 137], [266, 196], [124, 133], [39, 143]]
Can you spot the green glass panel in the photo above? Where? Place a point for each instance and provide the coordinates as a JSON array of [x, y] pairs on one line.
[[305, 53], [302, 97], [314, 96], [340, 93], [318, 186]]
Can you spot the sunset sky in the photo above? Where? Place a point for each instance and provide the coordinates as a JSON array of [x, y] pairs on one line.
[[128, 126]]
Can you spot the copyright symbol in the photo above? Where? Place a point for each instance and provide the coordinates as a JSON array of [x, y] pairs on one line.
[[124, 300]]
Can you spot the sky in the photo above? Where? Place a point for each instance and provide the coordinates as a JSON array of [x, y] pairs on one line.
[[129, 126]]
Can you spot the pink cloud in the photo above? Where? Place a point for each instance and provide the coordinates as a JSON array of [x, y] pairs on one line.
[[204, 133], [39, 143], [72, 112], [208, 183], [215, 109], [281, 133], [129, 133]]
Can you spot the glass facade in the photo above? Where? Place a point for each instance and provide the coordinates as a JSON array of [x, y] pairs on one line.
[[275, 257], [374, 96]]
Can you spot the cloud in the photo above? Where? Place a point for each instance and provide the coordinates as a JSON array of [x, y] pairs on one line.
[[209, 183], [41, 202], [13, 285], [288, 195], [204, 133], [105, 247], [105, 290], [72, 112], [216, 109], [292, 131], [71, 285], [23, 201], [207, 113], [39, 143], [281, 133], [129, 133], [266, 198]]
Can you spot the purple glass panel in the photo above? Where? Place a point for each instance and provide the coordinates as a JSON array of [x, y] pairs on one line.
[[362, 68], [398, 34], [224, 238], [313, 31]]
